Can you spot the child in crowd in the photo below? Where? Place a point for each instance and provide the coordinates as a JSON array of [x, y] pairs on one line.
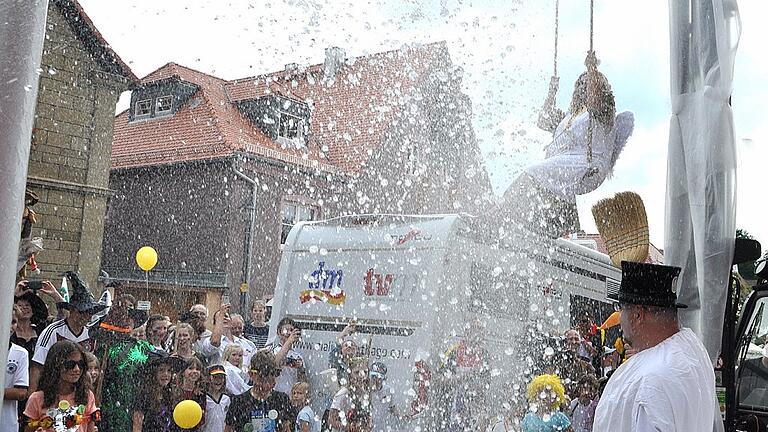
[[16, 380], [582, 409], [94, 371], [154, 408], [63, 385], [189, 386], [184, 341], [216, 400], [237, 380], [545, 395], [355, 396], [306, 420]]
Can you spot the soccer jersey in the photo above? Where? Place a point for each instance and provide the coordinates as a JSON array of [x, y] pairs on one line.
[[16, 376], [59, 330], [216, 412]]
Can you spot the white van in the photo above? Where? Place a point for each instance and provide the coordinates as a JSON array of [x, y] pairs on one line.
[[412, 282]]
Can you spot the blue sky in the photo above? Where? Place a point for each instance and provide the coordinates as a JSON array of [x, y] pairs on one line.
[[506, 55]]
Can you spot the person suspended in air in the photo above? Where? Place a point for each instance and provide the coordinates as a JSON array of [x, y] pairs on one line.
[[586, 142]]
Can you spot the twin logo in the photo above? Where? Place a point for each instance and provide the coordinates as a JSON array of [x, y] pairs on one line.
[[325, 286]]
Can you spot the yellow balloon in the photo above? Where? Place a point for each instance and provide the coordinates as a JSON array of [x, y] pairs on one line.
[[187, 414], [146, 258]]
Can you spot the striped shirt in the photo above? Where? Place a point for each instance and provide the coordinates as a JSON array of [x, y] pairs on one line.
[[257, 335], [56, 331]]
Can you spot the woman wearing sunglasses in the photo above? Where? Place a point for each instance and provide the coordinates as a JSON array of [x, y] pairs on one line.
[[64, 396]]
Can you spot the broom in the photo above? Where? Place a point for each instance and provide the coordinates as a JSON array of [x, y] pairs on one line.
[[623, 224]]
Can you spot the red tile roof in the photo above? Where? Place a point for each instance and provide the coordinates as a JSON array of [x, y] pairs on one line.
[[349, 117]]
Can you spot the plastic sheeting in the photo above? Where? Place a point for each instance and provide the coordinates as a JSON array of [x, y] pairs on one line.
[[701, 166]]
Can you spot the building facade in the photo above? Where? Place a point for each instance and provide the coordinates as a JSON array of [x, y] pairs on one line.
[[81, 79], [214, 173]]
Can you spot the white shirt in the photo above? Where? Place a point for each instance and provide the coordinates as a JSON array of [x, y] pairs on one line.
[[306, 415], [236, 382], [289, 374], [16, 375], [56, 331], [563, 171], [670, 388], [215, 413], [210, 352], [343, 403], [381, 410], [249, 348]]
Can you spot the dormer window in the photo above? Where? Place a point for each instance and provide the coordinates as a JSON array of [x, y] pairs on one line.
[[291, 130], [143, 108], [286, 121], [163, 104], [291, 127]]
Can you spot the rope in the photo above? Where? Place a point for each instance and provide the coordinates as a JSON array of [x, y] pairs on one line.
[[591, 24], [591, 170], [557, 32]]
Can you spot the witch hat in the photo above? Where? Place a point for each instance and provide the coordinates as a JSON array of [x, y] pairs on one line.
[[80, 297]]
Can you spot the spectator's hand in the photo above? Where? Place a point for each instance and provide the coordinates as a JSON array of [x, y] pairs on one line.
[[349, 329], [293, 338], [21, 288], [630, 352], [52, 292]]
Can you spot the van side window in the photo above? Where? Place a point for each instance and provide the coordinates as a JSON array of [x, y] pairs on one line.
[[752, 373]]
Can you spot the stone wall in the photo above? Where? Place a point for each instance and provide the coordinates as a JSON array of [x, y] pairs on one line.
[[69, 157]]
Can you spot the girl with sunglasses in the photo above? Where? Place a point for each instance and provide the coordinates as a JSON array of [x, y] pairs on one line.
[[64, 386]]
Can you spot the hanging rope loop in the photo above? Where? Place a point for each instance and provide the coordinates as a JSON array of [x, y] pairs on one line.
[[591, 64], [557, 33]]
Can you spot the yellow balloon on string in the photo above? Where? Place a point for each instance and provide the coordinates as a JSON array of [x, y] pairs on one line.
[[146, 258], [187, 414]]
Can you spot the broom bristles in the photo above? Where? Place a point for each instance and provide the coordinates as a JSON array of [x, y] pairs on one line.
[[623, 225]]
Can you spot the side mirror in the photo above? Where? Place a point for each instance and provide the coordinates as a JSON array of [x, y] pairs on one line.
[[746, 250]]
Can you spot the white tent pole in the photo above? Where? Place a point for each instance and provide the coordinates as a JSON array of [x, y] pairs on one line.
[[22, 30]]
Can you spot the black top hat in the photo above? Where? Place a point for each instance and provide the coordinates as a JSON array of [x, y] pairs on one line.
[[648, 285], [80, 298]]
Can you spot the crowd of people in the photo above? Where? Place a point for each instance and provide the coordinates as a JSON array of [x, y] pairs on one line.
[[112, 367], [106, 365]]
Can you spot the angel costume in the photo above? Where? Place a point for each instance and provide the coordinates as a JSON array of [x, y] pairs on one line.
[[544, 196]]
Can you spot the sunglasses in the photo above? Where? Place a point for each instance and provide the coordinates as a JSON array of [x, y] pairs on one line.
[[267, 373], [70, 364]]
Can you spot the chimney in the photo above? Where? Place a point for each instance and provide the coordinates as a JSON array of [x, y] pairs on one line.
[[334, 58], [292, 68]]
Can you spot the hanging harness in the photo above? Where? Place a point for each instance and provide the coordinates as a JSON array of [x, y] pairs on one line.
[[591, 170]]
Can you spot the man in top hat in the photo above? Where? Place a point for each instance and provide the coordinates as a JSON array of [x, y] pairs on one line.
[[81, 306], [669, 385], [121, 359]]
